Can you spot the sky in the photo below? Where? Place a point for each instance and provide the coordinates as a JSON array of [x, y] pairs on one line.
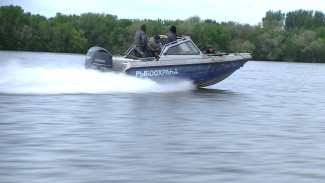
[[241, 11]]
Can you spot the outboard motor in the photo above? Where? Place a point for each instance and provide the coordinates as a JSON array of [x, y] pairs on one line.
[[98, 58]]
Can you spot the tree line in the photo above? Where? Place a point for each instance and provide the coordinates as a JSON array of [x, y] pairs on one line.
[[295, 36]]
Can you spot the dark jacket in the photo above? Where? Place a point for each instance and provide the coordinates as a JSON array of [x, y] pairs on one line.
[[140, 38], [171, 36]]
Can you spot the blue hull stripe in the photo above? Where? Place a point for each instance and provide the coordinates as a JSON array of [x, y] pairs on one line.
[[198, 73]]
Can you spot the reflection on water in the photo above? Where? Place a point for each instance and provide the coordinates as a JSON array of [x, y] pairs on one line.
[[262, 124]]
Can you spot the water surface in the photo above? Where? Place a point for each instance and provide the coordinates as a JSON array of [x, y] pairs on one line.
[[61, 123]]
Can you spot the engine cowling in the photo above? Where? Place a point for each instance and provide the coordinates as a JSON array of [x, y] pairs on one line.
[[98, 58]]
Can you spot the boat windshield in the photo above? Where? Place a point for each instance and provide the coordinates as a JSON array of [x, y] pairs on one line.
[[185, 48]]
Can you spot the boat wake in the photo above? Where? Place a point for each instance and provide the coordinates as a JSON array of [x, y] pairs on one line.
[[16, 79]]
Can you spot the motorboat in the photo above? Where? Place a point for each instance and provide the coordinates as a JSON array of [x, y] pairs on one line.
[[180, 59]]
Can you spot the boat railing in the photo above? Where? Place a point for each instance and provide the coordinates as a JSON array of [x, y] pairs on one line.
[[130, 49], [129, 54]]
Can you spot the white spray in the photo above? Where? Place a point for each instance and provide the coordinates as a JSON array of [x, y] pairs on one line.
[[18, 79]]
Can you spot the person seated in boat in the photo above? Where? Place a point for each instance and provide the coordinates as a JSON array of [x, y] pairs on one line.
[[171, 34], [141, 41], [208, 50], [154, 47]]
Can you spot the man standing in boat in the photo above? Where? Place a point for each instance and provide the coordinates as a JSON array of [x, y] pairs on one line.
[[171, 34], [141, 41]]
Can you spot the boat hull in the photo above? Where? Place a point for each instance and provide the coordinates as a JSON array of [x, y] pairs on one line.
[[204, 74], [180, 59]]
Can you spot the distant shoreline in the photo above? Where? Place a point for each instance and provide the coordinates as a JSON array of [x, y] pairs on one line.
[[297, 36]]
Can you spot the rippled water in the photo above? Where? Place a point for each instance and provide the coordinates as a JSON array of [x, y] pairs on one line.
[[61, 123]]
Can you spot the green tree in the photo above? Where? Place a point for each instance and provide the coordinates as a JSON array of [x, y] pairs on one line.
[[213, 34], [318, 20], [320, 32], [239, 31], [97, 28], [77, 42], [14, 29], [308, 46], [119, 38], [241, 46], [268, 48], [273, 20], [60, 33], [155, 28], [303, 38], [300, 19], [40, 33]]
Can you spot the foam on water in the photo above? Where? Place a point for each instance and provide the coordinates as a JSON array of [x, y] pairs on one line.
[[18, 79]]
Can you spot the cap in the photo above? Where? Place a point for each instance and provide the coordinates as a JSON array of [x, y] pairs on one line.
[[210, 46], [157, 37]]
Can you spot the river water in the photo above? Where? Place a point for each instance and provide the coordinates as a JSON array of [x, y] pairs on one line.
[[61, 123]]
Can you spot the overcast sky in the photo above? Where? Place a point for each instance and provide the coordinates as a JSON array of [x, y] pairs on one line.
[[242, 11]]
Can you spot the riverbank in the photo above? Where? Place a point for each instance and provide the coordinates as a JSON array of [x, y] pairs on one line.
[[285, 37]]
